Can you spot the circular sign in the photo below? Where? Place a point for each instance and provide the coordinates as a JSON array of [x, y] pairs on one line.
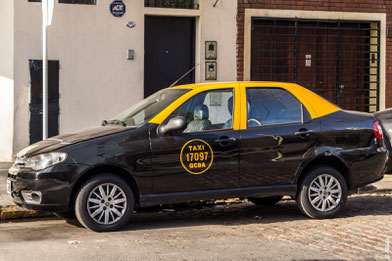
[[117, 8], [196, 156]]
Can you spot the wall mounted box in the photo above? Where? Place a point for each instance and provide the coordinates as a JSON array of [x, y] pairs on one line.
[[130, 54], [211, 48], [211, 71]]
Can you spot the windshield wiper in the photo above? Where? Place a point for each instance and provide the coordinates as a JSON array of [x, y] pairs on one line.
[[114, 122]]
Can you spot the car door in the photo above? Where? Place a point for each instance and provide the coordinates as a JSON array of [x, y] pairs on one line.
[[204, 155], [279, 134]]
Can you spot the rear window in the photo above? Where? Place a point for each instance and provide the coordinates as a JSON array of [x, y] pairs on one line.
[[269, 106]]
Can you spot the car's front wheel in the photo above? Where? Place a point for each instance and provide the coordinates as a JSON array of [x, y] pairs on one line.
[[322, 193], [104, 203]]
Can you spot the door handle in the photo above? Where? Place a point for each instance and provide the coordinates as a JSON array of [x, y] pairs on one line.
[[225, 139], [304, 132]]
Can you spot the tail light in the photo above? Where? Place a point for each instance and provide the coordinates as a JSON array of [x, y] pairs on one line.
[[377, 130]]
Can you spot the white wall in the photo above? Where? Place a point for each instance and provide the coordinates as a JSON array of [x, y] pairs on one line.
[[6, 79], [219, 24], [96, 80]]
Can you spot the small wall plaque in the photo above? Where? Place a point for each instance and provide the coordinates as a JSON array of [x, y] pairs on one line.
[[211, 50]]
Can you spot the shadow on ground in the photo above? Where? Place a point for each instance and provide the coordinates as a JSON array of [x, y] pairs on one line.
[[244, 213]]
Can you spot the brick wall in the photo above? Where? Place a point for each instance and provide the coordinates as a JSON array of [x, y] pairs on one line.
[[374, 6]]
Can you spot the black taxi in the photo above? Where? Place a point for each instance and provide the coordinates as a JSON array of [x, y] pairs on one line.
[[254, 140]]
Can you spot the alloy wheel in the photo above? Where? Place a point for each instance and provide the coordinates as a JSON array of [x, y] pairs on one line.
[[325, 193], [106, 204]]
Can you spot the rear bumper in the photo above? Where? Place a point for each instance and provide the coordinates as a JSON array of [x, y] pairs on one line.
[[45, 190], [369, 167]]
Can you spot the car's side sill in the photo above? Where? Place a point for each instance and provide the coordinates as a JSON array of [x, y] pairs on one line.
[[265, 191]]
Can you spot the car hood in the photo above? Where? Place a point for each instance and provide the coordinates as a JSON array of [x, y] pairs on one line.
[[63, 140]]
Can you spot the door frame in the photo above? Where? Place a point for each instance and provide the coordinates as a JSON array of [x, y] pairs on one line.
[[194, 49], [196, 14]]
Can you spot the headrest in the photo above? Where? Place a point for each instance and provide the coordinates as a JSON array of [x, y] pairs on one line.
[[201, 112], [230, 104]]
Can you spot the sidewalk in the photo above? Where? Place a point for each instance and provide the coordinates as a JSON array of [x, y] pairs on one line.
[[8, 210]]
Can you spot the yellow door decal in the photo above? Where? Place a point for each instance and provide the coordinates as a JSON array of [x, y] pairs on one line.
[[196, 156]]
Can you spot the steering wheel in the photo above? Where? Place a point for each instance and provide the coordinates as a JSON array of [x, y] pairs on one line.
[[253, 120]]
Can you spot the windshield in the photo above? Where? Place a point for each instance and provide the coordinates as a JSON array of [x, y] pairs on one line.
[[146, 109]]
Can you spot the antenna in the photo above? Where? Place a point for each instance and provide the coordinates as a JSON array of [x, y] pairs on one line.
[[179, 79]]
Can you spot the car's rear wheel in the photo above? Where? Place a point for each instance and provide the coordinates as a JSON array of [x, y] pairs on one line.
[[104, 203], [322, 193], [268, 201]]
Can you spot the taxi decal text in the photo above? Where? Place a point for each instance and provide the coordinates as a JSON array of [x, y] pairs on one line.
[[196, 156]]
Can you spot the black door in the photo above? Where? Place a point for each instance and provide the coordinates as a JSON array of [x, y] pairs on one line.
[[36, 100], [169, 52], [204, 156], [279, 135]]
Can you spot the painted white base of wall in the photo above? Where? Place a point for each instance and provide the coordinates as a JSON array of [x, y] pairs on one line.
[[6, 79], [6, 118]]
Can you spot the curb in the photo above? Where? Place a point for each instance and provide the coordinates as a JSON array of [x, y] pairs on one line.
[[15, 212]]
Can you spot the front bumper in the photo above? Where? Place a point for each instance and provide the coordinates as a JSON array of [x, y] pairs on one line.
[[45, 190]]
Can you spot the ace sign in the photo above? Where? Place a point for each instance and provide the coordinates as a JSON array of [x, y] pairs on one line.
[[117, 8]]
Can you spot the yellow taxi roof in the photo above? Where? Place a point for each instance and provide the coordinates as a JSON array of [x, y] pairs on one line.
[[315, 104], [221, 84]]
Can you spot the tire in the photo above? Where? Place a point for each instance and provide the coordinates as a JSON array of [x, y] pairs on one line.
[[310, 189], [100, 212], [268, 201]]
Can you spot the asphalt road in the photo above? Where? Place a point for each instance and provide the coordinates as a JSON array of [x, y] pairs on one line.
[[148, 237], [237, 231]]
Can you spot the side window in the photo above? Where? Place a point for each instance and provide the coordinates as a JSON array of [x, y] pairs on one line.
[[268, 106], [210, 110]]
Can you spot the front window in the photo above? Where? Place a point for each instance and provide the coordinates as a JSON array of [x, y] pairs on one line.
[[210, 110], [146, 109]]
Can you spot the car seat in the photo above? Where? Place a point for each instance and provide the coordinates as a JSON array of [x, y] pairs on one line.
[[200, 120]]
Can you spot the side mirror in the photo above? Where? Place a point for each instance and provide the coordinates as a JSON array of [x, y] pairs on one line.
[[175, 123]]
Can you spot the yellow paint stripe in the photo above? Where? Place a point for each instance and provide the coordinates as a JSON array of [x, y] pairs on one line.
[[315, 104], [237, 108], [244, 109]]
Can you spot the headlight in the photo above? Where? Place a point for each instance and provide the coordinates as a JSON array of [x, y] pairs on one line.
[[44, 161]]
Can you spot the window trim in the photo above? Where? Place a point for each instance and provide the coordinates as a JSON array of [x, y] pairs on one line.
[[302, 106]]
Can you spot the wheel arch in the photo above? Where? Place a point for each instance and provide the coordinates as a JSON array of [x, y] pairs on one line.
[[112, 169], [329, 161]]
